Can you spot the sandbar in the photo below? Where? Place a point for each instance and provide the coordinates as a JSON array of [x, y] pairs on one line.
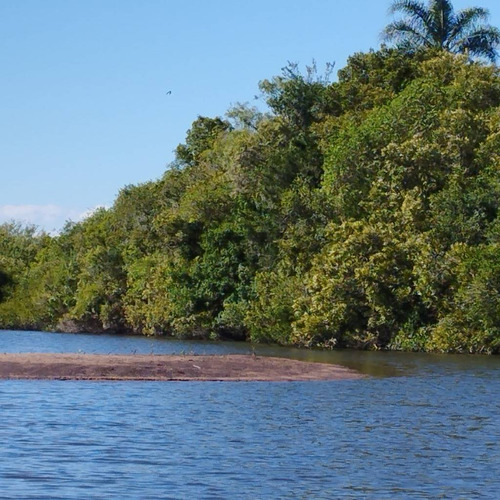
[[232, 367]]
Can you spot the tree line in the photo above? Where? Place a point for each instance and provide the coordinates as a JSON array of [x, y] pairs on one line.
[[360, 213]]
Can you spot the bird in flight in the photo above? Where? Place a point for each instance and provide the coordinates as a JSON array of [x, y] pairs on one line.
[[169, 92]]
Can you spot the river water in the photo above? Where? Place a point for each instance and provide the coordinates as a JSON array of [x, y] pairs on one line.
[[420, 427]]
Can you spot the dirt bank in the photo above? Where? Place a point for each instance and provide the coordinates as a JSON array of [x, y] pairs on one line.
[[163, 367]]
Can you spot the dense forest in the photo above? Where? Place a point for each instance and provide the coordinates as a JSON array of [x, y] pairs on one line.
[[360, 213]]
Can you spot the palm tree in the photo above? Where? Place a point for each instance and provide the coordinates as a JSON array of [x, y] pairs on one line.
[[436, 25]]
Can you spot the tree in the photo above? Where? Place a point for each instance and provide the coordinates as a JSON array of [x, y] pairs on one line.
[[200, 138], [437, 26], [298, 99]]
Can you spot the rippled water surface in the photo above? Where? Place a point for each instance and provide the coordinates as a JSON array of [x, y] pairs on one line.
[[420, 427]]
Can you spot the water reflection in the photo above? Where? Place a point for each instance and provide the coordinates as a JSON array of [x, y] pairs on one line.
[[376, 364], [422, 427]]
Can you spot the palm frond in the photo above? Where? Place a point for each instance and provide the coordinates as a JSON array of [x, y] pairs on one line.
[[409, 7], [435, 24], [482, 42], [403, 31], [467, 18], [471, 15]]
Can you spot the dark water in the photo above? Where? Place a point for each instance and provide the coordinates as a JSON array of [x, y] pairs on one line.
[[421, 427]]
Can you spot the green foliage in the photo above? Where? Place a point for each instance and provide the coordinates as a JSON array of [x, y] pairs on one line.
[[101, 280], [360, 289], [361, 213], [470, 317], [134, 211], [200, 138], [374, 78], [19, 247], [298, 99], [270, 315], [5, 283], [158, 299]]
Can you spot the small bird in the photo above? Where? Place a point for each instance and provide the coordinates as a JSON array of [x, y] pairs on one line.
[[169, 92]]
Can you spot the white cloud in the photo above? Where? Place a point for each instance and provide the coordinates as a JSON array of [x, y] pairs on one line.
[[29, 213], [89, 212], [51, 218]]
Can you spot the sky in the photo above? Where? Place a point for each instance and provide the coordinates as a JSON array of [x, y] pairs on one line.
[[96, 94]]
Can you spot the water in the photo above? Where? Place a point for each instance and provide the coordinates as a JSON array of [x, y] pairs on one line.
[[420, 427]]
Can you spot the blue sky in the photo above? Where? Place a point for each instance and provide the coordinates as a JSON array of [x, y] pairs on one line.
[[83, 91]]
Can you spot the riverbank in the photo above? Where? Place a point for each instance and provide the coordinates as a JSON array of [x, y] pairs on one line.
[[166, 367]]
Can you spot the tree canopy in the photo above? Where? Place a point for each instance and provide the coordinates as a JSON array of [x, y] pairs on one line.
[[437, 26], [361, 213]]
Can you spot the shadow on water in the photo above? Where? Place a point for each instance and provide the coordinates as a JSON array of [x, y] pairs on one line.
[[390, 363]]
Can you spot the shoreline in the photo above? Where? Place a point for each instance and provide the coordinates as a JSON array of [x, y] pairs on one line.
[[158, 367]]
